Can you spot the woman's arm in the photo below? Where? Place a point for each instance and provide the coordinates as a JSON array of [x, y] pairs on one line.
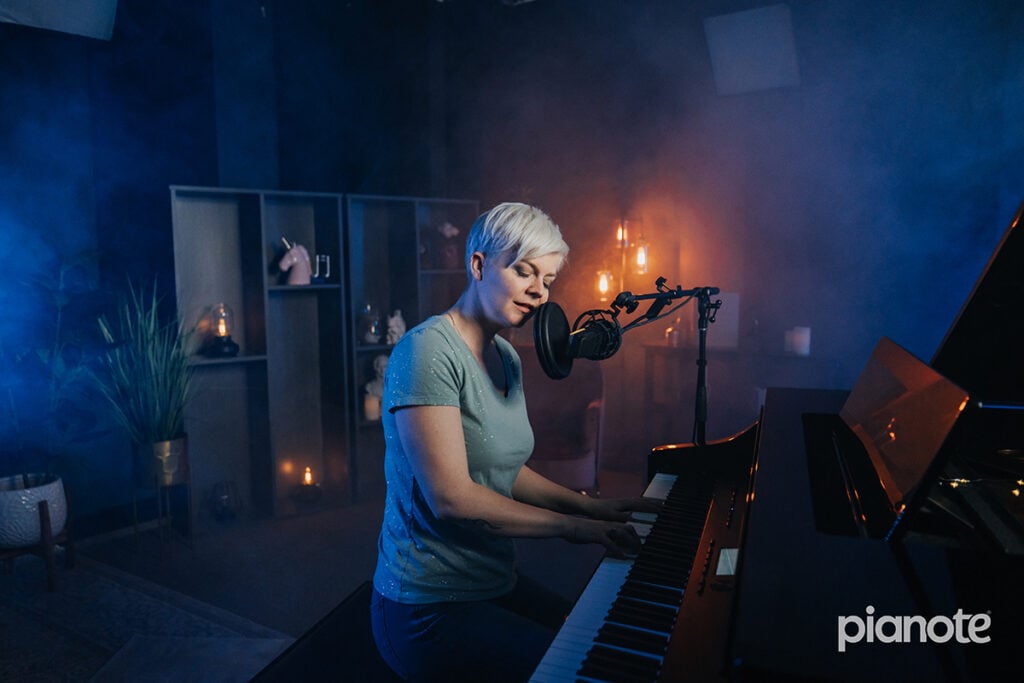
[[538, 490], [433, 442]]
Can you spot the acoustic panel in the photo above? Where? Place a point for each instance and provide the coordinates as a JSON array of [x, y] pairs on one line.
[[752, 50], [91, 18]]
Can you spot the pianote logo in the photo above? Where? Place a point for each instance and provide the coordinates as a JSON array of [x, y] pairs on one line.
[[965, 628]]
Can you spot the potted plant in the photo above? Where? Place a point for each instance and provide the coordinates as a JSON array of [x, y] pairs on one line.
[[147, 381], [46, 408]]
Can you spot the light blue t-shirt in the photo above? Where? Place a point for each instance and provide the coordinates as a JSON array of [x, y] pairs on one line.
[[421, 558]]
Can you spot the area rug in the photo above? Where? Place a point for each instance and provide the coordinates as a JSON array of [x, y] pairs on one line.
[[106, 625]]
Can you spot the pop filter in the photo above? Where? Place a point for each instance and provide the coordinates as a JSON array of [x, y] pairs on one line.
[[551, 337]]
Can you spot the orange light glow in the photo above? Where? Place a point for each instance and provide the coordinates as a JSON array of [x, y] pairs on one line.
[[222, 328], [307, 478], [641, 257], [622, 235], [604, 284]]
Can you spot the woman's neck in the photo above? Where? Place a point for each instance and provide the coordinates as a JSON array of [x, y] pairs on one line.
[[471, 324]]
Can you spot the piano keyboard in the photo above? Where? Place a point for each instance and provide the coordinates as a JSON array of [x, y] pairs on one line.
[[619, 628]]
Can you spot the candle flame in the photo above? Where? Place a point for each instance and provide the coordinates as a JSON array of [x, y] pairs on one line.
[[307, 478]]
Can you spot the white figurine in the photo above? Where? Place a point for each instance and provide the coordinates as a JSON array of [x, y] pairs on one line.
[[396, 327], [296, 262], [375, 389]]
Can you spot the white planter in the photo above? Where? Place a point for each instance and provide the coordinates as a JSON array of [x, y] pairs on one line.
[[19, 508]]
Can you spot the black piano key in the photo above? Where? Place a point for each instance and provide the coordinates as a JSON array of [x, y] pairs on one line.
[[633, 639], [642, 615], [648, 602], [651, 593], [618, 666]]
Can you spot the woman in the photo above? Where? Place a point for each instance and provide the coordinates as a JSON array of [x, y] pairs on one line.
[[448, 604]]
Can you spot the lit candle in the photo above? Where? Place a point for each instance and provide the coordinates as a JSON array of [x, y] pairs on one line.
[[307, 478]]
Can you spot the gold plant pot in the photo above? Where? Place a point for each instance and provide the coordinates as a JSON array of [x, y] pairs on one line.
[[164, 463]]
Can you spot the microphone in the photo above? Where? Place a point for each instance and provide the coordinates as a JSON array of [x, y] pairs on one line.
[[595, 336]]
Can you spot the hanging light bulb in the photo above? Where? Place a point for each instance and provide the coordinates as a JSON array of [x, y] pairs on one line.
[[604, 283], [641, 256], [622, 234]]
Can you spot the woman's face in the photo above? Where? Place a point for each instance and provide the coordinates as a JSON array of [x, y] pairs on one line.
[[510, 291]]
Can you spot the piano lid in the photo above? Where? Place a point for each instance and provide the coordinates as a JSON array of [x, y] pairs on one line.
[[981, 351]]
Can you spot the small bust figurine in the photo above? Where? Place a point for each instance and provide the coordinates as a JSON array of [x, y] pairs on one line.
[[375, 389], [396, 327]]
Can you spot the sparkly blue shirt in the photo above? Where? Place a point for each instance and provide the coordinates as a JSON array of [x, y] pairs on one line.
[[421, 558]]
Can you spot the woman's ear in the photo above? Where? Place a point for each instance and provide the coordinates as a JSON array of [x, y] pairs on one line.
[[476, 264]]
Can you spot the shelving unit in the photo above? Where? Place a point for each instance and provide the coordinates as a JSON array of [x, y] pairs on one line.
[[293, 397], [401, 257], [261, 418]]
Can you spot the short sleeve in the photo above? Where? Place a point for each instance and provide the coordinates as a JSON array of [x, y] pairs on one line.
[[423, 370]]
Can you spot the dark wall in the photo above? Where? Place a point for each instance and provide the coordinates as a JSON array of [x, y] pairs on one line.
[[93, 133], [353, 106], [861, 202]]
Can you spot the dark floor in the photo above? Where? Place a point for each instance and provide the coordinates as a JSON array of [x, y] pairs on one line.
[[288, 573]]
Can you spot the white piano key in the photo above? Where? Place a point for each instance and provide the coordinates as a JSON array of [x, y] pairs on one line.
[[568, 650]]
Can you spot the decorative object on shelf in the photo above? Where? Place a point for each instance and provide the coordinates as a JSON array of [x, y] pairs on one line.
[[450, 253], [322, 271], [375, 389], [396, 327], [296, 263], [369, 325], [148, 383], [220, 325], [439, 247], [308, 491]]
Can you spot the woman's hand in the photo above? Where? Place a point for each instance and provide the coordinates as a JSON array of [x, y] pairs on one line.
[[619, 509], [620, 540]]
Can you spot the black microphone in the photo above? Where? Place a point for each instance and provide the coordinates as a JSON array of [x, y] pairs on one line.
[[595, 336]]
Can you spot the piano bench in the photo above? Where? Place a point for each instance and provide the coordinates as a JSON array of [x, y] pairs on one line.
[[339, 647]]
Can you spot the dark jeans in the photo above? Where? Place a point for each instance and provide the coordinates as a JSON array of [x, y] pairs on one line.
[[488, 640]]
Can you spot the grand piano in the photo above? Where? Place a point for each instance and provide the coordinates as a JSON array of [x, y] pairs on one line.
[[846, 536]]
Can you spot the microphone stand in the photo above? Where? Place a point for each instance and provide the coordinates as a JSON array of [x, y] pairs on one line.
[[706, 312]]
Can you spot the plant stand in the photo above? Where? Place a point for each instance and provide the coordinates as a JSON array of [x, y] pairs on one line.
[[164, 513], [45, 548]]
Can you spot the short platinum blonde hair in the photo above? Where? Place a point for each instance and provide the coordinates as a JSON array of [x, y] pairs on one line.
[[523, 230]]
